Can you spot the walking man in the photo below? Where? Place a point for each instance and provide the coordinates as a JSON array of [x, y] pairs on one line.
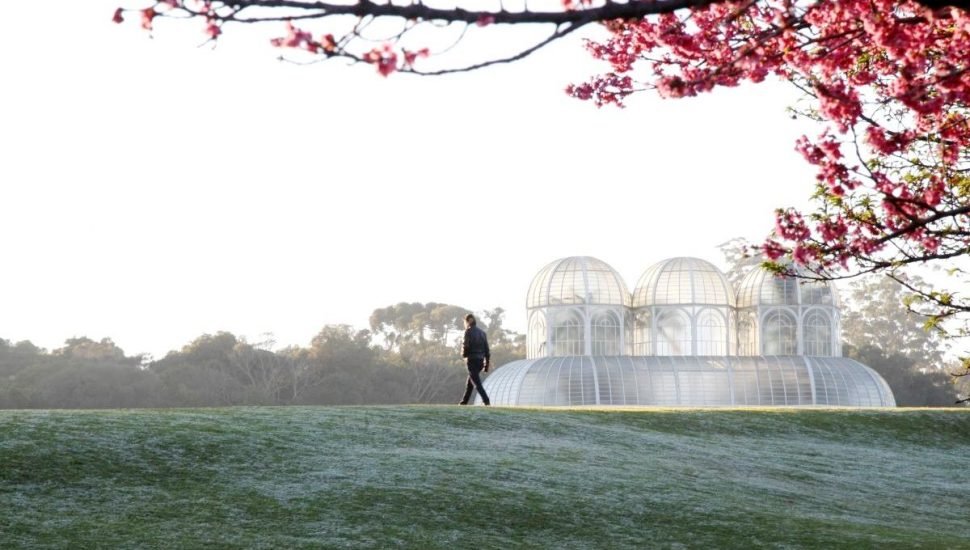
[[474, 348]]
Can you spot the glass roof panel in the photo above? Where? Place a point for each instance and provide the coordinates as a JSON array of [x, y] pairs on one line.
[[683, 281], [577, 280]]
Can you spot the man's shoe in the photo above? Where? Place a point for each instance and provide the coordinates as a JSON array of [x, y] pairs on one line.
[[462, 403]]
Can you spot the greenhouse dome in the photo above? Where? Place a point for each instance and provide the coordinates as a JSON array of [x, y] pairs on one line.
[[764, 288], [784, 315], [577, 306], [577, 280], [683, 281], [683, 306], [688, 382]]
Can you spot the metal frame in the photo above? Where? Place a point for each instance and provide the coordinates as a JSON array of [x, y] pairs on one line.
[[581, 286], [585, 289], [689, 381], [691, 286], [758, 294]]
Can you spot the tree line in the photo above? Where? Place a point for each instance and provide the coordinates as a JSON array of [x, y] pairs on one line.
[[409, 354]]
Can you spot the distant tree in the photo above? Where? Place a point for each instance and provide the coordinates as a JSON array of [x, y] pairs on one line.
[[86, 348], [506, 345], [874, 314], [83, 374], [343, 367], [492, 320], [27, 347], [421, 344], [16, 357], [392, 322], [417, 322], [424, 339], [741, 257], [264, 374], [94, 384], [16, 389], [433, 372], [913, 384], [300, 373], [446, 322], [201, 373], [879, 331], [224, 369]]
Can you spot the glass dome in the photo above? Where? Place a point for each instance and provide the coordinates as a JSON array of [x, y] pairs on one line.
[[683, 281], [688, 381], [577, 280], [764, 288]]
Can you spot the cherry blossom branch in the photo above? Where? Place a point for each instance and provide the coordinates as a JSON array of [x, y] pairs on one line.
[[387, 57], [579, 14], [418, 11], [559, 33]]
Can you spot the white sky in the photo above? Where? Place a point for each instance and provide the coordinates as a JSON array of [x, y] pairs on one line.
[[153, 191]]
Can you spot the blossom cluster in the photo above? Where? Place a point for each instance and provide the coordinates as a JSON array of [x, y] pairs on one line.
[[888, 79], [202, 8]]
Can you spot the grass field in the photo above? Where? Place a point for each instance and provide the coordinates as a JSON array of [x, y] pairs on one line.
[[449, 477]]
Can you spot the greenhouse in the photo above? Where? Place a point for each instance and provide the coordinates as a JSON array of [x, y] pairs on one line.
[[683, 306], [684, 337], [688, 381], [577, 306]]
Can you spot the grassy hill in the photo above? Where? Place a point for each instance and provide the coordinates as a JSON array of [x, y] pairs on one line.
[[445, 477]]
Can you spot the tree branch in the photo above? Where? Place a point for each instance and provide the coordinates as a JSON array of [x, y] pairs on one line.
[[610, 11]]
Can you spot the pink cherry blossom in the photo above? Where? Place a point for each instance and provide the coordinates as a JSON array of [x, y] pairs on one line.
[[888, 80], [147, 16]]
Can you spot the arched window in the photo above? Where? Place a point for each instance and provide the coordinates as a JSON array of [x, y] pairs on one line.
[[817, 334], [816, 292], [711, 333], [567, 333], [779, 290], [747, 334], [778, 334], [643, 324], [537, 335], [673, 333], [605, 329]]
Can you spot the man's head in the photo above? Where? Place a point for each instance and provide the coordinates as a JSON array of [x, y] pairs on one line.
[[469, 320]]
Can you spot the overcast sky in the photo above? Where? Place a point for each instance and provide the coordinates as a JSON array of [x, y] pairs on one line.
[[153, 190]]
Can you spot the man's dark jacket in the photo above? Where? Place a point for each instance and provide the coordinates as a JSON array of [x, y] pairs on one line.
[[475, 344]]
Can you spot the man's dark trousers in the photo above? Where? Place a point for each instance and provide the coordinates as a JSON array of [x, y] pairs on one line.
[[475, 365]]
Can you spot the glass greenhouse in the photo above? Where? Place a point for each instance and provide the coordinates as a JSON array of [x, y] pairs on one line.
[[684, 337], [787, 316], [689, 381], [577, 306], [683, 306]]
